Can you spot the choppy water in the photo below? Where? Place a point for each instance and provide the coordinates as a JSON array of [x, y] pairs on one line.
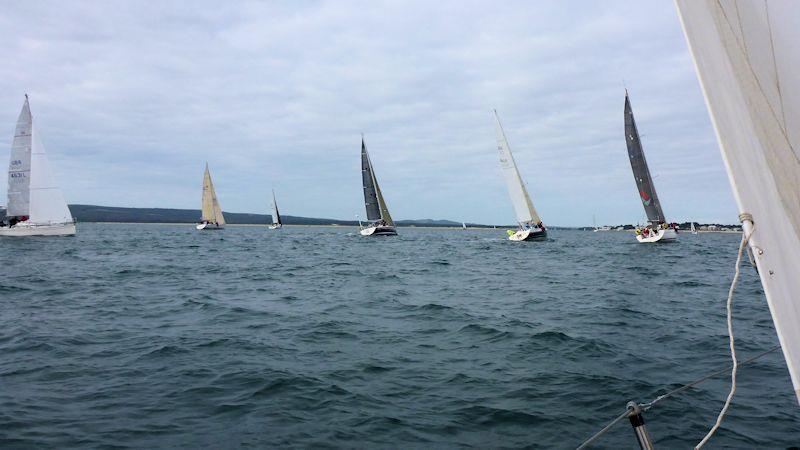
[[161, 336]]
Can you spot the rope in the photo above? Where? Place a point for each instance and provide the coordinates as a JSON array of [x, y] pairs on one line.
[[729, 306]]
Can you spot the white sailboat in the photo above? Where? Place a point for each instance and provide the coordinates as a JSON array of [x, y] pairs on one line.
[[381, 223], [276, 217], [212, 218], [657, 230], [693, 229], [746, 54], [463, 225], [530, 225], [36, 206]]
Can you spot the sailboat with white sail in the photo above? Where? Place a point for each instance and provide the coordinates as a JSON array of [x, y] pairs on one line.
[[530, 225], [381, 223], [276, 216], [212, 218], [692, 228], [746, 56], [36, 206], [657, 230]]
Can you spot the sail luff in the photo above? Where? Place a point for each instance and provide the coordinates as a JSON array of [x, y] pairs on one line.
[[746, 54], [368, 182], [641, 172], [523, 206]]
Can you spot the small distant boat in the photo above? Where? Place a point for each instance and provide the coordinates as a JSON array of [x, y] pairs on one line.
[[212, 218], [694, 230], [658, 229], [530, 225], [381, 223], [36, 206], [276, 216], [463, 225]]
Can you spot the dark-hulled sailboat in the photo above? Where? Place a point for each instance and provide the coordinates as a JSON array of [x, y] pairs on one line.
[[657, 229], [380, 221]]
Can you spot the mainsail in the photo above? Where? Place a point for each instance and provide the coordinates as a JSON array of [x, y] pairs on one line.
[[32, 192], [746, 54], [516, 188], [276, 217], [373, 198], [644, 183], [211, 210]]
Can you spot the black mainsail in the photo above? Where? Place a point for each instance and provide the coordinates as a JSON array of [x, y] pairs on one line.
[[644, 182], [368, 179]]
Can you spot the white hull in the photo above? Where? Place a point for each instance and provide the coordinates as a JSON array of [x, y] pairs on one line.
[[660, 236], [209, 226], [274, 227], [378, 231], [528, 235], [24, 229]]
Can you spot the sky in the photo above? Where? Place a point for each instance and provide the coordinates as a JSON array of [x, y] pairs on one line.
[[133, 98]]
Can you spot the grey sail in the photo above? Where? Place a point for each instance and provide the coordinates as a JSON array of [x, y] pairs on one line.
[[368, 179], [276, 216], [644, 182]]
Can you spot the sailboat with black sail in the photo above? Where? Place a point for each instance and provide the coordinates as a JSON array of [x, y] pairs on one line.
[[380, 221], [276, 216], [657, 230], [530, 225], [36, 206], [212, 218]]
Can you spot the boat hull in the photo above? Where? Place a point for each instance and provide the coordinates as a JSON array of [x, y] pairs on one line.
[[528, 235], [209, 226], [378, 231], [274, 227], [667, 235], [24, 229]]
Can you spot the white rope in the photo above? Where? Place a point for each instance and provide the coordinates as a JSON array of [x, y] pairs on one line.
[[745, 238]]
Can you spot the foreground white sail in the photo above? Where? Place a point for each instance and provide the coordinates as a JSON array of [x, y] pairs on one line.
[[36, 206], [212, 218], [377, 211], [747, 55], [530, 225], [276, 216]]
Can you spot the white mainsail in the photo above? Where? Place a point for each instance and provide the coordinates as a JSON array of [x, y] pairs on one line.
[[32, 191], [211, 210], [276, 217], [516, 188], [747, 56]]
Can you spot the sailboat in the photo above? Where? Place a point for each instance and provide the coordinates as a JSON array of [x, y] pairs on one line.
[[657, 229], [463, 225], [694, 230], [212, 218], [276, 217], [381, 223], [530, 225], [36, 206], [746, 57]]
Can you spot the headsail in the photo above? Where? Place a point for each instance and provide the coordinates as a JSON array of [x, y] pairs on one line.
[[32, 191], [373, 198], [211, 209], [276, 217], [746, 54], [516, 188], [644, 183]]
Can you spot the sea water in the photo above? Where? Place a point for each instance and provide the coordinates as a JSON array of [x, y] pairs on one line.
[[146, 336]]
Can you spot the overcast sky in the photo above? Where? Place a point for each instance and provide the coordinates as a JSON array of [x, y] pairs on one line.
[[132, 98]]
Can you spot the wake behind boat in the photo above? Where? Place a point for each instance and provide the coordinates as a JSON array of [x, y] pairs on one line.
[[276, 216], [212, 218], [377, 212], [530, 225], [657, 229], [36, 206]]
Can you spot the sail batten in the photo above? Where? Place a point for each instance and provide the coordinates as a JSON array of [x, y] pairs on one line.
[[746, 54], [523, 206], [641, 173]]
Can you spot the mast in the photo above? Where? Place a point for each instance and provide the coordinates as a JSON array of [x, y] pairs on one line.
[[276, 217], [641, 173], [523, 207], [746, 57]]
